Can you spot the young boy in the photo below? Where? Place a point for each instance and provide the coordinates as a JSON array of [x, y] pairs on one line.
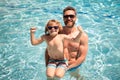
[[57, 63]]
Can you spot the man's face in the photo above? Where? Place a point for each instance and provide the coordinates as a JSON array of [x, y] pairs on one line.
[[69, 18]]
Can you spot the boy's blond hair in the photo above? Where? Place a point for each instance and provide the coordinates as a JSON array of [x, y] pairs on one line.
[[53, 21]]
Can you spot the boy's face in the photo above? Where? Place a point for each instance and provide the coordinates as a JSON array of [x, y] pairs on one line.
[[69, 18], [53, 29]]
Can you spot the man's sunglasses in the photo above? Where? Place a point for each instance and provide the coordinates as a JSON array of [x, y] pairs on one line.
[[50, 27], [67, 16]]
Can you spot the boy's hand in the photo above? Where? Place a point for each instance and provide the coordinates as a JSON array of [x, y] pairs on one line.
[[79, 28], [32, 30]]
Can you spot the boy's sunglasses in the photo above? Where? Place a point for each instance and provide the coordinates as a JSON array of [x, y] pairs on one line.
[[67, 16], [50, 27]]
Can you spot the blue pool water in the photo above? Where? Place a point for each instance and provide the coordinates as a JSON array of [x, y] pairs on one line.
[[19, 60]]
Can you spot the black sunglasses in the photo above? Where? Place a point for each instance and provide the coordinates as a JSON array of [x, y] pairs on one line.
[[50, 27], [67, 16]]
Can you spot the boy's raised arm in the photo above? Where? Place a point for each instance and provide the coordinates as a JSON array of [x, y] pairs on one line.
[[35, 41]]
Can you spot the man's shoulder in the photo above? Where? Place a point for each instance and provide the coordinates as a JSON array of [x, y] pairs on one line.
[[84, 37], [84, 34]]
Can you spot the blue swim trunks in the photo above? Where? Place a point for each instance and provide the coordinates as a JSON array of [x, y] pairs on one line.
[[57, 64], [74, 68]]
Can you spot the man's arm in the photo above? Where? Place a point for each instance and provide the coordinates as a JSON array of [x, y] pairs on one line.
[[83, 48]]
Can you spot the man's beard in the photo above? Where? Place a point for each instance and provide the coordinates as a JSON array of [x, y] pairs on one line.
[[69, 25]]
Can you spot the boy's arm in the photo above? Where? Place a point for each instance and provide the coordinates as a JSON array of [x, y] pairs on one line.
[[35, 41], [77, 38]]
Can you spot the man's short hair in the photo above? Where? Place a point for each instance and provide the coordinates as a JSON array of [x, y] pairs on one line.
[[69, 8]]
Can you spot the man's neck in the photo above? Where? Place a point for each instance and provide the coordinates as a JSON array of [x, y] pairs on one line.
[[69, 30]]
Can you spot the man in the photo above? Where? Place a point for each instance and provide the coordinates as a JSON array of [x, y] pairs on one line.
[[70, 29]]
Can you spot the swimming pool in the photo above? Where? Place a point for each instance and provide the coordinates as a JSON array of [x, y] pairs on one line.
[[19, 60]]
